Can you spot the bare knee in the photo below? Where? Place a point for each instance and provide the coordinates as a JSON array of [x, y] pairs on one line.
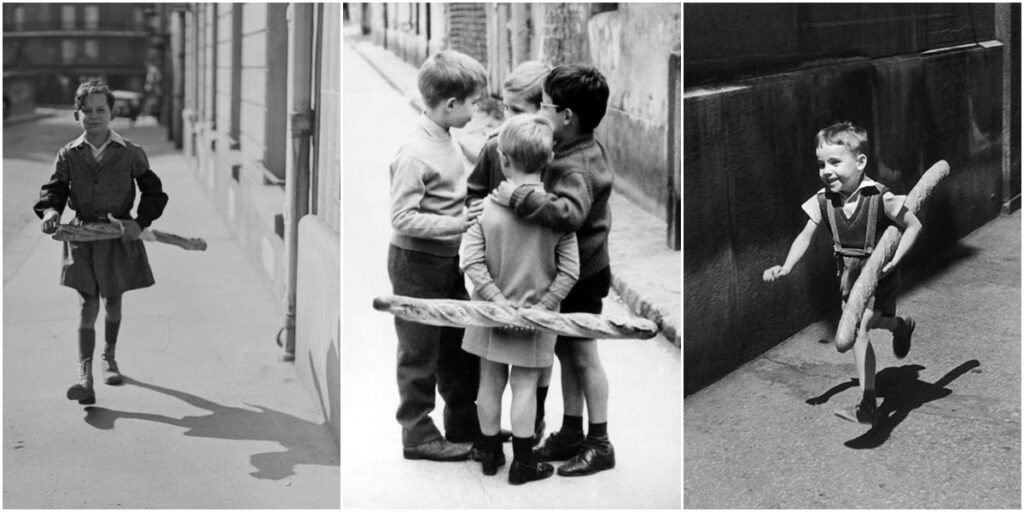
[[89, 309], [112, 308]]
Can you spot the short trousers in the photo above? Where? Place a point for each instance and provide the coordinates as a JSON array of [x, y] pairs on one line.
[[884, 301], [587, 296]]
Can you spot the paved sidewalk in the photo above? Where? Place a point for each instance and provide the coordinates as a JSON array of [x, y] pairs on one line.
[[645, 272], [765, 435], [210, 416]]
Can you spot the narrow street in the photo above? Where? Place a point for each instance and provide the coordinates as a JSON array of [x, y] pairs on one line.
[[209, 415], [644, 376]]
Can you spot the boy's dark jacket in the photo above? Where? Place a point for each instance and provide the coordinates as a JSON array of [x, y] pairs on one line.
[[577, 185]]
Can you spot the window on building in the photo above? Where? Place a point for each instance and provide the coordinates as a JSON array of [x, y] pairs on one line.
[[91, 49], [67, 17], [276, 99], [67, 51], [19, 18], [140, 18], [92, 17]]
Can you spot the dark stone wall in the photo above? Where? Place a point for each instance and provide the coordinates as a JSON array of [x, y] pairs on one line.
[[749, 164], [728, 41]]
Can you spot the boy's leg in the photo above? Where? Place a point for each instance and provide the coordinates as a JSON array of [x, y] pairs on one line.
[[458, 371], [524, 466], [598, 453], [579, 371], [89, 310], [493, 378], [112, 324], [524, 400], [413, 274], [864, 355], [542, 395], [568, 439]]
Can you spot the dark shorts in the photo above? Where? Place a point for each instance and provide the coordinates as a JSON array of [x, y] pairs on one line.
[[587, 297], [884, 300]]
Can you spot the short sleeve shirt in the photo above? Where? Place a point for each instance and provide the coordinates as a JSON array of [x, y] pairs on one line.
[[891, 203]]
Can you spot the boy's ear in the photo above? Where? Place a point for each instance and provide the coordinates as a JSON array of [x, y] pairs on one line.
[[862, 161], [449, 103], [503, 158]]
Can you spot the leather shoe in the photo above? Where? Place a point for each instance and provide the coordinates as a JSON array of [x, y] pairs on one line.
[[558, 446], [596, 456], [491, 461], [519, 473], [438, 450]]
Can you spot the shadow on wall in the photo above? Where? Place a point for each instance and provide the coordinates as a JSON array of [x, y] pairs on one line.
[[298, 437]]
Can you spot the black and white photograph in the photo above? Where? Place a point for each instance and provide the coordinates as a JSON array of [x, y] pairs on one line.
[[186, 153], [852, 270], [511, 256]]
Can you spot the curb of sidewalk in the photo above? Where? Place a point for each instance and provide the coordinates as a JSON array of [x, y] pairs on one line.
[[639, 299]]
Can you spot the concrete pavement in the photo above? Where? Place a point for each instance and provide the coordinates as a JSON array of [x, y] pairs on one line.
[[765, 435], [645, 272], [645, 392], [210, 416]]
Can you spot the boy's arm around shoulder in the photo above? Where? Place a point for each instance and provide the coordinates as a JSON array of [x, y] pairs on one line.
[[567, 261], [153, 199], [562, 207], [473, 264], [53, 195]]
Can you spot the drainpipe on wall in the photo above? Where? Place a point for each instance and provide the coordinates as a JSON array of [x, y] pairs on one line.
[[300, 56]]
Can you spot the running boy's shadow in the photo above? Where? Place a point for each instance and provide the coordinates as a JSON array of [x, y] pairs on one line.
[[902, 391], [295, 434]]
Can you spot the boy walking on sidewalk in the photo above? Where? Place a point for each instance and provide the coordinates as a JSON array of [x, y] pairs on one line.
[[428, 191]]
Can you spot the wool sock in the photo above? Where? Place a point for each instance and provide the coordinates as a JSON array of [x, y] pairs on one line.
[[522, 450], [110, 332], [86, 343], [572, 425], [598, 431]]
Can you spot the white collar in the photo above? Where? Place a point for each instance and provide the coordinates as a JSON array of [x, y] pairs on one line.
[[113, 137]]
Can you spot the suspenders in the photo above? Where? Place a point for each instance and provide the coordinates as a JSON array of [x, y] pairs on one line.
[[869, 239]]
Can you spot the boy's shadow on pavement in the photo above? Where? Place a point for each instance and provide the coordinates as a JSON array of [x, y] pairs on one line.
[[295, 434], [902, 391]]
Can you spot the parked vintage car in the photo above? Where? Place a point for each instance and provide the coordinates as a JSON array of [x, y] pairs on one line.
[[127, 104]]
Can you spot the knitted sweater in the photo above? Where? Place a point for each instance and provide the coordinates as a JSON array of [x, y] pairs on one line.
[[428, 187], [578, 183]]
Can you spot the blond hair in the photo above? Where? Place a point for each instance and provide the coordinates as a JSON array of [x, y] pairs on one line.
[[527, 80], [450, 74], [846, 134], [527, 140]]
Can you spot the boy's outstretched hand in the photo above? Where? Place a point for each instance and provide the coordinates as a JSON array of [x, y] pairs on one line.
[[775, 273]]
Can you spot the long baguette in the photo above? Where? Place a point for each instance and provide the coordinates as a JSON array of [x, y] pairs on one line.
[[462, 313]]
